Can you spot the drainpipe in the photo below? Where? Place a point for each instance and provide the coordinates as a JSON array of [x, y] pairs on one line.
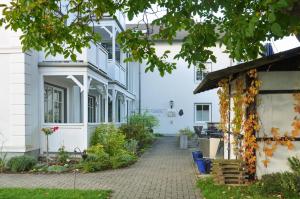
[[140, 88]]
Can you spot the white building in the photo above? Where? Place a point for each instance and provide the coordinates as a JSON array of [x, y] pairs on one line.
[[159, 93], [39, 91]]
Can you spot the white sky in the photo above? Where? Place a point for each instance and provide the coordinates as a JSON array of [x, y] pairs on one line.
[[280, 45]]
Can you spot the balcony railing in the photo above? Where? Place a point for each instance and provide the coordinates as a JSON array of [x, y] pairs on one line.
[[117, 72]]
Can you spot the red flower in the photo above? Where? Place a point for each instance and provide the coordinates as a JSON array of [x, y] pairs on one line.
[[54, 129]]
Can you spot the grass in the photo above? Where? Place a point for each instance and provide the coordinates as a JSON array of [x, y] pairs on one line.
[[22, 193], [210, 190]]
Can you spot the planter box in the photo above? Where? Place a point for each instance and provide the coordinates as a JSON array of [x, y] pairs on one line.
[[183, 141]]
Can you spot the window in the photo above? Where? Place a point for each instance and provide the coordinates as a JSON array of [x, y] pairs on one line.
[[91, 109], [202, 112], [54, 103], [201, 73]]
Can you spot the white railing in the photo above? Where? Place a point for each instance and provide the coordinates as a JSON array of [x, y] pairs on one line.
[[97, 56], [69, 135]]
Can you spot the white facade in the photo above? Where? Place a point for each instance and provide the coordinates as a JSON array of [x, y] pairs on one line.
[[42, 92], [157, 92]]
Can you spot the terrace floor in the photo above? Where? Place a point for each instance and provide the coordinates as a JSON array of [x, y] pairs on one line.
[[163, 172]]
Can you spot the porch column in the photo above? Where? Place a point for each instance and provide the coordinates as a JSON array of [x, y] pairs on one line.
[[114, 94], [106, 106], [42, 115], [85, 109]]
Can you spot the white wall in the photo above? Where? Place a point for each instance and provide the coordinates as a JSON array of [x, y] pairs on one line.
[[19, 122], [157, 91], [277, 110]]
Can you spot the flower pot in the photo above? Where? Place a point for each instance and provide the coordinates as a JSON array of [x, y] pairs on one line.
[[201, 165], [183, 141], [207, 165], [197, 154]]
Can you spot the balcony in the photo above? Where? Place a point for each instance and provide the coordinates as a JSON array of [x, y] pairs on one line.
[[117, 72], [96, 55]]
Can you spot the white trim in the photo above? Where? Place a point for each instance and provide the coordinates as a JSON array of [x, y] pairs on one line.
[[76, 81]]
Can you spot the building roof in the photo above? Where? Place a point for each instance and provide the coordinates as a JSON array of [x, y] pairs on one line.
[[154, 29], [276, 60]]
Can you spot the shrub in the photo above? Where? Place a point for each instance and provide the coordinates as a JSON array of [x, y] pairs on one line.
[[138, 133], [122, 159], [279, 183], [145, 120], [2, 165], [62, 155], [21, 163], [131, 145], [97, 159], [294, 163], [57, 169], [109, 137], [186, 131]]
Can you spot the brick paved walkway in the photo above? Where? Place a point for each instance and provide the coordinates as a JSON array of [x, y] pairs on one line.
[[163, 172]]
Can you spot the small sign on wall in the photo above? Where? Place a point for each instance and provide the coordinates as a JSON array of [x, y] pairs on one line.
[[171, 114]]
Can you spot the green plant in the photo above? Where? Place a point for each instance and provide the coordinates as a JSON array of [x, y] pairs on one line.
[[62, 155], [57, 169], [131, 145], [109, 137], [186, 131], [145, 120], [279, 183], [2, 165], [21, 163], [138, 133], [122, 159], [294, 163]]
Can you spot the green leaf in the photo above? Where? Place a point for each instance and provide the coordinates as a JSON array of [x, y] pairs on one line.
[[276, 29], [73, 57]]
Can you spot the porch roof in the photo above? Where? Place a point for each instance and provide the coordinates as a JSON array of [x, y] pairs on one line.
[[278, 61]]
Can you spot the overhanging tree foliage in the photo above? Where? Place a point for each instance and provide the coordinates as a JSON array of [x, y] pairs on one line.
[[65, 27]]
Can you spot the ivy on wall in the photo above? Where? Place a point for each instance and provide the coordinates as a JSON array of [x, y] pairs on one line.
[[223, 94], [237, 121], [270, 145]]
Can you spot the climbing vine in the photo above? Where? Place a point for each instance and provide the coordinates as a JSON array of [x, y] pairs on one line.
[[270, 145], [251, 124], [238, 110], [223, 94]]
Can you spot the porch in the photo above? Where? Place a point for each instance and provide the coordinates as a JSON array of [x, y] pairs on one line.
[[76, 99]]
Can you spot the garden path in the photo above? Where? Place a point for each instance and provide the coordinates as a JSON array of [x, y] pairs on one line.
[[163, 172]]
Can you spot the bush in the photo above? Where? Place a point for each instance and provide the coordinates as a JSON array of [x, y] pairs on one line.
[[138, 133], [294, 163], [279, 183], [131, 145], [62, 155], [186, 131], [57, 169], [109, 137], [145, 120], [122, 159], [21, 163], [2, 165]]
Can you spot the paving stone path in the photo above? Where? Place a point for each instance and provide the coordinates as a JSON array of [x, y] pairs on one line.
[[163, 172]]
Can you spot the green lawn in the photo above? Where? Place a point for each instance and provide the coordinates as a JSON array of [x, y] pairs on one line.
[[210, 190], [20, 193]]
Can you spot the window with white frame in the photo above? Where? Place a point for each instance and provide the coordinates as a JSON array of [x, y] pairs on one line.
[[200, 73], [54, 103], [91, 109], [202, 112]]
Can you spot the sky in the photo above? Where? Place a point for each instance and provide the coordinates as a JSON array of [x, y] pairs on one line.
[[279, 45]]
